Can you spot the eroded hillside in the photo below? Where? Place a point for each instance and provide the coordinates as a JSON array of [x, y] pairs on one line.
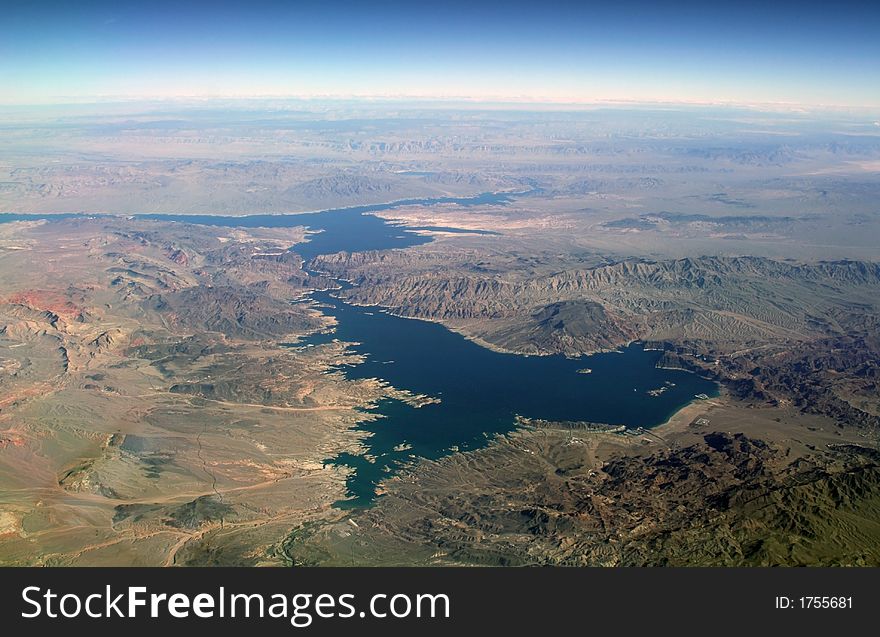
[[146, 404]]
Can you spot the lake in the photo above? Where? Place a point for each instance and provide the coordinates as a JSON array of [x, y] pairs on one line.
[[480, 391], [350, 229], [347, 229]]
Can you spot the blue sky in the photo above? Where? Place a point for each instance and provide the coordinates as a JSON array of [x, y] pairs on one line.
[[805, 53]]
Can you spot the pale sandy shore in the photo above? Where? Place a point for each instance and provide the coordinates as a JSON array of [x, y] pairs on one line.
[[697, 408]]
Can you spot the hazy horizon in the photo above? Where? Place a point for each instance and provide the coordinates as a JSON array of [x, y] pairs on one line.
[[560, 53]]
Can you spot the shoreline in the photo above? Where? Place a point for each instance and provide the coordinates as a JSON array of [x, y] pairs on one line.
[[683, 417], [687, 412], [394, 203]]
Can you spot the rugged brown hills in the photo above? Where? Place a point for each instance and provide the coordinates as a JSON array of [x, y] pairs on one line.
[[148, 411], [730, 302], [541, 498]]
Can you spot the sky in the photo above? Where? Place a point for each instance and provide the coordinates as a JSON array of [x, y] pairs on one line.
[[706, 52]]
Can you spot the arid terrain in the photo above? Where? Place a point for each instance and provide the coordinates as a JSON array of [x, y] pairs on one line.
[[147, 400], [159, 406]]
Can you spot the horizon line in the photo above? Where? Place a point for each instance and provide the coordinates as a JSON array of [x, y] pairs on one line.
[[509, 100]]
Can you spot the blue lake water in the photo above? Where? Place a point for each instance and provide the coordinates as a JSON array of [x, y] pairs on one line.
[[346, 229], [350, 229], [6, 217], [480, 391]]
